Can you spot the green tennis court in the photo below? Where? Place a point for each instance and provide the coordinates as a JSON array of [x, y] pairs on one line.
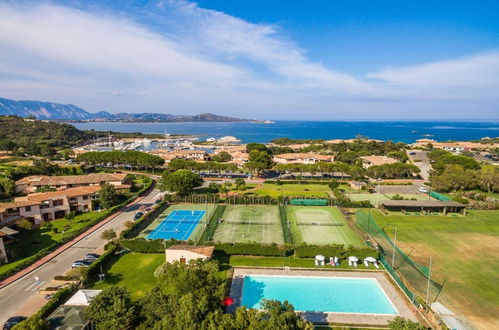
[[320, 225], [247, 223]]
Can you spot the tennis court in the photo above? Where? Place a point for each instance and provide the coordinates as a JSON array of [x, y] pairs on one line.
[[244, 223], [320, 225], [178, 225]]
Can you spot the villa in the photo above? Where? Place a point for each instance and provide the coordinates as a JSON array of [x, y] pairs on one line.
[[32, 183], [302, 158], [368, 161], [6, 234], [196, 155], [48, 206]]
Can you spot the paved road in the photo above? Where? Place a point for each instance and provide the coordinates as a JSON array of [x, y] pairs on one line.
[[14, 295], [420, 159]]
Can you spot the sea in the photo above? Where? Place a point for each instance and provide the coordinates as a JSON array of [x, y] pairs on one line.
[[396, 131]]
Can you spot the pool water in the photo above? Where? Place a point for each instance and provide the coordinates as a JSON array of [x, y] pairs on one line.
[[319, 294]]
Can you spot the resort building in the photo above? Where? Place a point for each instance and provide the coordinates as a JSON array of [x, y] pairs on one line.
[[32, 183], [368, 161], [456, 147], [196, 155], [239, 158], [424, 205], [185, 253], [72, 314], [302, 158], [6, 234], [48, 206]]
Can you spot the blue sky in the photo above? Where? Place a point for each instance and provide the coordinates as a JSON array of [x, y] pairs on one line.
[[320, 60]]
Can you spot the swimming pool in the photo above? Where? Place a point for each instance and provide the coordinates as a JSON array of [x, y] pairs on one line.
[[318, 294]]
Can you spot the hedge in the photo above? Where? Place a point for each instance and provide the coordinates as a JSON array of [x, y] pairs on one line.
[[286, 231], [334, 250], [212, 224], [254, 249], [142, 245], [42, 253], [94, 268]]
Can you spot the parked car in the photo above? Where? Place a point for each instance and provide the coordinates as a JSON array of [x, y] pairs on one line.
[[12, 321], [138, 215], [81, 263], [91, 257], [423, 190]]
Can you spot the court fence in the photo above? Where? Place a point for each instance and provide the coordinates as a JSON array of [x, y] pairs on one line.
[[211, 226], [308, 202], [286, 229], [412, 277], [193, 198], [438, 196]]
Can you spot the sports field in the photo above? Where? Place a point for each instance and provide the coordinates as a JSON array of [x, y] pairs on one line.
[[243, 223], [465, 252], [159, 228], [320, 225]]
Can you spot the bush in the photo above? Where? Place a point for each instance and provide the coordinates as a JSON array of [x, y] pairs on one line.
[[254, 249], [94, 268], [142, 245]]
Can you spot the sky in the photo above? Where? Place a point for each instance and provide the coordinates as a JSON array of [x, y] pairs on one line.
[[287, 59]]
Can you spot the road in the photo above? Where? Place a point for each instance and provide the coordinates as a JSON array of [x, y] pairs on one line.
[[14, 295], [420, 159]]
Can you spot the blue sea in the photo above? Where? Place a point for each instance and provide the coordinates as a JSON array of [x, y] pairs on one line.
[[397, 131]]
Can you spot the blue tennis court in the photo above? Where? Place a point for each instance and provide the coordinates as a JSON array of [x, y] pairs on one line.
[[177, 225]]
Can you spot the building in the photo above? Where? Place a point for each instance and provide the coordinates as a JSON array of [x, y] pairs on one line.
[[72, 314], [196, 155], [368, 161], [32, 183], [358, 185], [48, 206], [424, 205], [302, 158], [338, 141], [6, 236], [239, 158], [185, 253], [457, 146]]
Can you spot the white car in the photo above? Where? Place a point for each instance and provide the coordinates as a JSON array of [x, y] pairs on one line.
[[423, 190]]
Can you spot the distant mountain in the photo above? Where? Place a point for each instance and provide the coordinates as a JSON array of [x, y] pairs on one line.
[[70, 112]]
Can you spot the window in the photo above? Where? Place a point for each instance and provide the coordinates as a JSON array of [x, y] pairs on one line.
[[85, 197], [57, 202], [27, 208]]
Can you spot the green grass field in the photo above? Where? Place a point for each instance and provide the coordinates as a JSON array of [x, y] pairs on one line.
[[465, 253], [209, 208], [135, 271], [320, 234], [261, 233], [306, 190]]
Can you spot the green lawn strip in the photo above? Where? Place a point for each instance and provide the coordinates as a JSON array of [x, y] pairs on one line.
[[463, 255], [30, 242], [135, 271]]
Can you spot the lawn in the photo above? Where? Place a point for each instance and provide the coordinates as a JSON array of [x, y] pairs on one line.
[[262, 225], [300, 218], [375, 198], [30, 242], [305, 190], [465, 252], [135, 271]]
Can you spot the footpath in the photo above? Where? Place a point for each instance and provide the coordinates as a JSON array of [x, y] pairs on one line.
[[67, 245]]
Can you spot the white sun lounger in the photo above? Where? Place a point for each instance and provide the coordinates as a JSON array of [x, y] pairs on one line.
[[366, 263], [376, 264]]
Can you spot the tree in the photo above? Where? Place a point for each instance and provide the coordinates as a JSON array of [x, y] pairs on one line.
[[108, 196], [113, 308], [453, 178], [256, 146], [66, 153], [80, 274], [488, 179], [222, 156], [182, 182], [240, 183], [34, 322], [24, 224], [7, 186], [400, 323], [259, 161], [108, 235]]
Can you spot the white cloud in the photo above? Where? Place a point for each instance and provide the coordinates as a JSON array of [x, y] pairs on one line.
[[174, 56]]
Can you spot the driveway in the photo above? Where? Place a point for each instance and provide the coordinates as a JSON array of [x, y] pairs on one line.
[[17, 293], [420, 159]]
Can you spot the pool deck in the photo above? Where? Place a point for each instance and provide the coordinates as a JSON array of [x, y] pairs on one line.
[[404, 308]]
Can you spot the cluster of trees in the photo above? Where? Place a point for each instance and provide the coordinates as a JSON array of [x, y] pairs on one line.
[[186, 297], [259, 159], [117, 158], [221, 157], [442, 158], [181, 182], [392, 171], [36, 137], [213, 166], [456, 177]]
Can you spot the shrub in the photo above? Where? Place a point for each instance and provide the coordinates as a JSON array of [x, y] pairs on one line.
[[142, 245], [255, 249]]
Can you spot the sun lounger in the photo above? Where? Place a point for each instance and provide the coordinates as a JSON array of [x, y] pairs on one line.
[[376, 264], [349, 263], [366, 263], [355, 263]]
